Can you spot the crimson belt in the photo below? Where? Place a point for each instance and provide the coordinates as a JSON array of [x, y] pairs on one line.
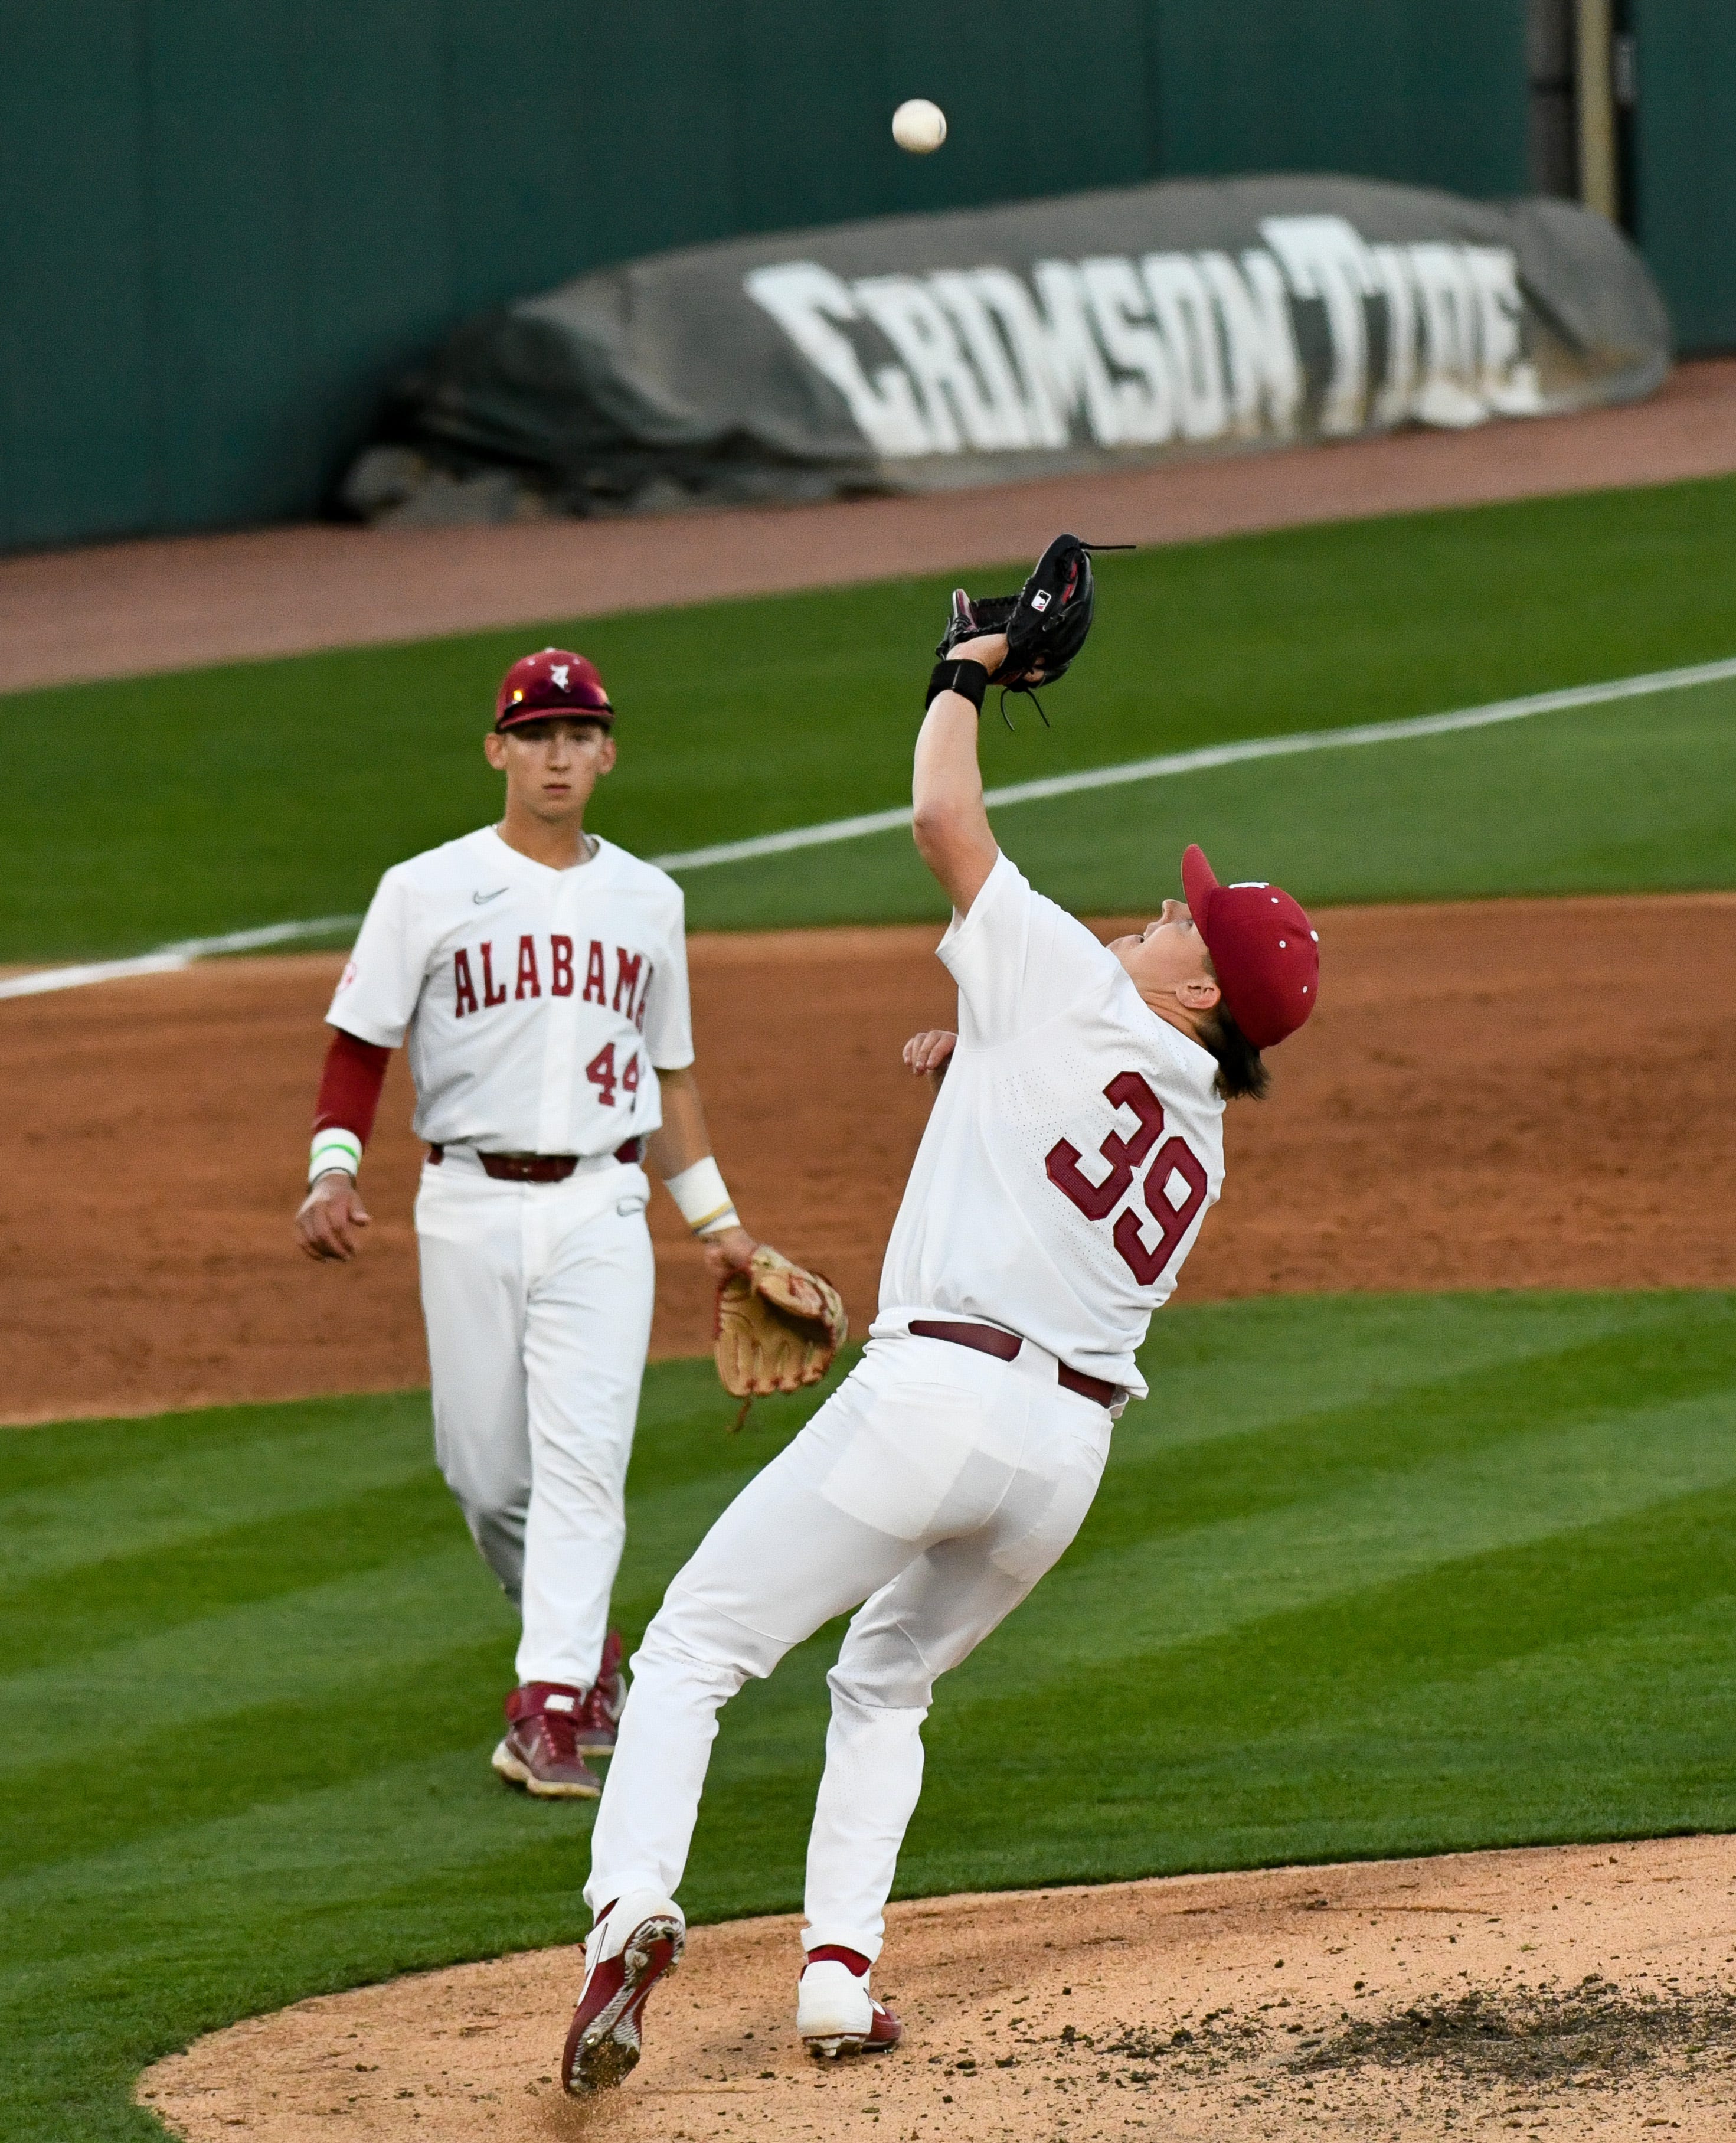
[[538, 1167], [990, 1339]]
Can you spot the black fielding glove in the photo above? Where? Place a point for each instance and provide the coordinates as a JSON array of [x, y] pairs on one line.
[[968, 679], [1046, 623]]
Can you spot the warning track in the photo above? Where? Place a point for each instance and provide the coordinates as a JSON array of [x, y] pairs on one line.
[[117, 610]]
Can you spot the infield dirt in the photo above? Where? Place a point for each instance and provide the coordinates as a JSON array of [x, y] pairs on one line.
[[1493, 1094], [1578, 1993]]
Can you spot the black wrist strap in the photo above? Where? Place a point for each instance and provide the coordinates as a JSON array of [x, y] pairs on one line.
[[969, 680]]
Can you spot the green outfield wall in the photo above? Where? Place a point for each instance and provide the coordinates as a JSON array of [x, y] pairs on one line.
[[225, 225], [1684, 153]]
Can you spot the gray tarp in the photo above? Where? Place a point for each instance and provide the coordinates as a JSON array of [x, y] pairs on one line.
[[918, 352]]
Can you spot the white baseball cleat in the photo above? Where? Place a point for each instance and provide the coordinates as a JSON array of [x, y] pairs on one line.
[[836, 2014], [638, 1939]]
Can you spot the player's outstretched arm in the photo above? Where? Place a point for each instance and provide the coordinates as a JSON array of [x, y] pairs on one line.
[[949, 818], [680, 1152]]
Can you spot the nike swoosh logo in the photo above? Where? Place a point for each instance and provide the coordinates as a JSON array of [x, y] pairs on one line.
[[481, 899]]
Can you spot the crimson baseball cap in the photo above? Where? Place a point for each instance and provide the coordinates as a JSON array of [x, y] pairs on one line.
[[554, 680], [1266, 952]]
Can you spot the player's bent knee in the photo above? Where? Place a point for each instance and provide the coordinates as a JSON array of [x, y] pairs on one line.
[[882, 1685], [688, 1633]]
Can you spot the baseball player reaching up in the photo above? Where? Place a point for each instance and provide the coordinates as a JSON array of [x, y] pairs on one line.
[[1067, 1163], [539, 975]]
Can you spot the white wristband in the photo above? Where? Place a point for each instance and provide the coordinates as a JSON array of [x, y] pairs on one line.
[[706, 1205], [334, 1149]]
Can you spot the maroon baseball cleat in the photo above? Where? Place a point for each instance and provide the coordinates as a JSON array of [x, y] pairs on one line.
[[836, 2014], [541, 1751], [636, 1941], [600, 1715]]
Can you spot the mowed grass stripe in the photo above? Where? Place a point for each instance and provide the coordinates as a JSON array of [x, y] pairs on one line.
[[186, 1480], [1367, 1575], [46, 1622], [1540, 1692], [218, 812], [1637, 797]]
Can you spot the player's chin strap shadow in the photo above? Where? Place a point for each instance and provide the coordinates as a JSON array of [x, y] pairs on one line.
[[1024, 683]]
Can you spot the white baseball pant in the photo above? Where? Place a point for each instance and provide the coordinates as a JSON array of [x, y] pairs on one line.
[[539, 1303], [936, 1485]]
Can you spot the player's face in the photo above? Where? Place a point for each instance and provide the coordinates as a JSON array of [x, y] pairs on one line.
[[1167, 955], [551, 767]]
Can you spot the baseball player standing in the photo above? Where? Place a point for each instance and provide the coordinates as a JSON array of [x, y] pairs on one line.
[[539, 975], [1069, 1160]]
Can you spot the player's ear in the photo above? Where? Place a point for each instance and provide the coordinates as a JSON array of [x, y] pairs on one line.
[[606, 757], [494, 750], [1200, 993]]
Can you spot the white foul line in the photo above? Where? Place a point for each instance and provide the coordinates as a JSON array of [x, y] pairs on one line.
[[168, 958], [1220, 754]]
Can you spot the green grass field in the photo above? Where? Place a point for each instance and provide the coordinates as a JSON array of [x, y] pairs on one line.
[[1637, 797], [144, 810], [1368, 1575], [1371, 1576]]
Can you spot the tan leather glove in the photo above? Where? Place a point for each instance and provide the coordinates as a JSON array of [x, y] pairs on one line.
[[778, 1328]]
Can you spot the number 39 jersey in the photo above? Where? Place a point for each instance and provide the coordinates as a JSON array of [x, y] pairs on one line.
[[539, 1004], [1072, 1151]]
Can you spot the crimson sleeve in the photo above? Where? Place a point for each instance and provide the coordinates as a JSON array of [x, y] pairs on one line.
[[350, 1087]]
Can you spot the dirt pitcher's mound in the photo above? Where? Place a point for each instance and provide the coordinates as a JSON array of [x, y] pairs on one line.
[[1579, 1992], [1493, 1094]]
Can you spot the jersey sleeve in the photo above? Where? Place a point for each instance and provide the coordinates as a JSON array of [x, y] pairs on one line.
[[382, 980], [668, 1014], [1018, 958]]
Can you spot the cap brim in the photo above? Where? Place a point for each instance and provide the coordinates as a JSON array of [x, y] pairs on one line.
[[1199, 883], [519, 716]]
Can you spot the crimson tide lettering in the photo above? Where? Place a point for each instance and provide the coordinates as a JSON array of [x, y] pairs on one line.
[[527, 985], [626, 978], [560, 966], [463, 989], [596, 983], [490, 996], [1128, 1091]]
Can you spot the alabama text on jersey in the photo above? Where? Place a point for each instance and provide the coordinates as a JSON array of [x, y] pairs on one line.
[[537, 1005]]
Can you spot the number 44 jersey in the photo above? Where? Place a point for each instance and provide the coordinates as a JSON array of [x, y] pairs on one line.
[[539, 1005], [1072, 1151]]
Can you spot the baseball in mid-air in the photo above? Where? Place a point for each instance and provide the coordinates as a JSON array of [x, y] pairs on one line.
[[918, 125]]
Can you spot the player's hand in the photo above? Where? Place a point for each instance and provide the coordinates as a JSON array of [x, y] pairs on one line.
[[990, 649], [930, 1051], [329, 1216], [728, 1251]]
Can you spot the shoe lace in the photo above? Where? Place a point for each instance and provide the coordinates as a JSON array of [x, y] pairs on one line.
[[600, 1707], [562, 1729]]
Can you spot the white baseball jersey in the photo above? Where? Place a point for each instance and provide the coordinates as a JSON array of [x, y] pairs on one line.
[[539, 1004], [1072, 1151]]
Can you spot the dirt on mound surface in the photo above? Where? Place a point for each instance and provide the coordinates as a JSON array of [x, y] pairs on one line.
[[1578, 1993], [1486, 1098]]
